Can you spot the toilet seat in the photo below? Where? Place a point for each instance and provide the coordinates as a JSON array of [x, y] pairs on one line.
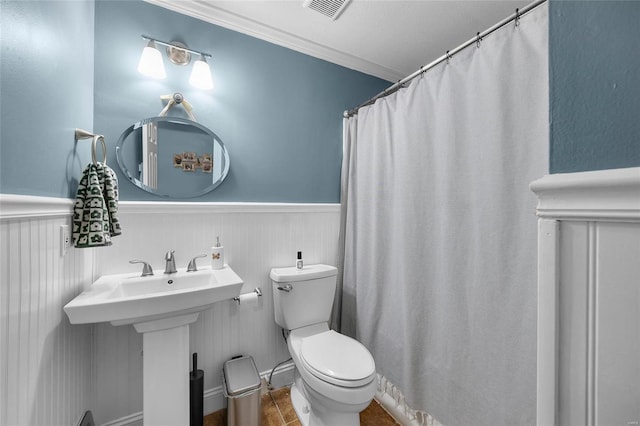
[[337, 359]]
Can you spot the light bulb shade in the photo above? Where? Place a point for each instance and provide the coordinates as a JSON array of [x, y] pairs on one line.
[[201, 75], [151, 63]]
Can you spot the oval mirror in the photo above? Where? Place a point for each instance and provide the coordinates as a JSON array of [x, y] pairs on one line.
[[172, 157]]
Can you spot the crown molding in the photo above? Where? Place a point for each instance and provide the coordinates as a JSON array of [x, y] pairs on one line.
[[210, 13], [612, 194]]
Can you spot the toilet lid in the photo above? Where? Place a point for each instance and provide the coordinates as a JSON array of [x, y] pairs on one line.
[[337, 359]]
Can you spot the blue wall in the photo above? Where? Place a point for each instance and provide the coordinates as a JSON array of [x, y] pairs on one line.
[[46, 80], [278, 112], [594, 57]]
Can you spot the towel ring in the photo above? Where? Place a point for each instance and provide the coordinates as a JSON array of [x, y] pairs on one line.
[[93, 149]]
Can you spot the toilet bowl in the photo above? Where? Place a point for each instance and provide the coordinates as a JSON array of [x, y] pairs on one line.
[[335, 375]]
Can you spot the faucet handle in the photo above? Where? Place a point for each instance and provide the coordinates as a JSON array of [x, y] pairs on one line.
[[169, 255], [146, 269], [192, 263]]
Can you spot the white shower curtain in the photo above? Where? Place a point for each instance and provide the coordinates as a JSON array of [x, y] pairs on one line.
[[439, 277]]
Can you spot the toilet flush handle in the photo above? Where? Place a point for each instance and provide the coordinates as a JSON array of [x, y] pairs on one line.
[[286, 287]]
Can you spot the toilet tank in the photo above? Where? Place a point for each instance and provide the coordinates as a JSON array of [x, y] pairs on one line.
[[303, 297]]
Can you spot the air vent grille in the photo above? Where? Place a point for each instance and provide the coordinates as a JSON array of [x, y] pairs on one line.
[[329, 8]]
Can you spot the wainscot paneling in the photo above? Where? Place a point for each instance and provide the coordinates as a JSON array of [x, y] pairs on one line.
[[45, 362], [256, 237], [589, 298]]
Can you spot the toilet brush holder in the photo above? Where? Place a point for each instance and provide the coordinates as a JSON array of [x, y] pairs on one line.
[[196, 394]]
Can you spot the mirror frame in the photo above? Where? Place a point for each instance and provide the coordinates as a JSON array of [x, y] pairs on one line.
[[178, 120]]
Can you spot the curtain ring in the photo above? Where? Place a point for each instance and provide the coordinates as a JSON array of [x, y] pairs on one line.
[[478, 39], [448, 57], [93, 149], [517, 19]]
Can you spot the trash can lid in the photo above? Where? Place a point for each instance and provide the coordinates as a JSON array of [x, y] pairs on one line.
[[241, 375]]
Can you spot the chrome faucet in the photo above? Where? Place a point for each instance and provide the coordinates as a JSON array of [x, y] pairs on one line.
[[146, 270], [170, 267], [192, 267]]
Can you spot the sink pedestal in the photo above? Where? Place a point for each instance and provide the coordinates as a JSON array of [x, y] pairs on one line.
[[161, 308], [165, 343]]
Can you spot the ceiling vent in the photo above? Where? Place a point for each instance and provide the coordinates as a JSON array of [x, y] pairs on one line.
[[329, 8]]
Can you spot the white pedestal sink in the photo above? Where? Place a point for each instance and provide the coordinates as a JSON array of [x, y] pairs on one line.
[[161, 307]]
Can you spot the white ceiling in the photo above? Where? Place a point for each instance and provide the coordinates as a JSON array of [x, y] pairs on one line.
[[389, 39]]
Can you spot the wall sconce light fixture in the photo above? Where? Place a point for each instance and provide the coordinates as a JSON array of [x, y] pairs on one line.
[[151, 63], [201, 74]]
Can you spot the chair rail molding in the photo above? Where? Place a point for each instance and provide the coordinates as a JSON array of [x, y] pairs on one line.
[[24, 206], [611, 195], [146, 207], [13, 206]]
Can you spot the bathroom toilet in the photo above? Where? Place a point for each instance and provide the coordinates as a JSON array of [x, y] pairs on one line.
[[335, 375]]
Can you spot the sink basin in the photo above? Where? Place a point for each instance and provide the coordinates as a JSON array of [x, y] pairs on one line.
[[129, 298], [160, 307]]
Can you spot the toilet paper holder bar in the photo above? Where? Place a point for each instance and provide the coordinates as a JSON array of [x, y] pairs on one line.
[[256, 290]]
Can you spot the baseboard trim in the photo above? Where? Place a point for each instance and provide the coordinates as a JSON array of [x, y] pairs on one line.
[[392, 400], [213, 399], [134, 419], [387, 395]]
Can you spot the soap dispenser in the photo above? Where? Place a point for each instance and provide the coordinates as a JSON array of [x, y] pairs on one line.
[[217, 255]]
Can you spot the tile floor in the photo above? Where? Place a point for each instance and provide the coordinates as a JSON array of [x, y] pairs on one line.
[[278, 411]]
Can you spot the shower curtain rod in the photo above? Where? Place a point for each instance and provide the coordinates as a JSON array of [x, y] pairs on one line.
[[475, 40]]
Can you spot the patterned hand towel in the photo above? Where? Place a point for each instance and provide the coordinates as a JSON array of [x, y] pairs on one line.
[[90, 214], [109, 186]]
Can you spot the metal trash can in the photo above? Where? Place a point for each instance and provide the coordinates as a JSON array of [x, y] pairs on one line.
[[241, 386]]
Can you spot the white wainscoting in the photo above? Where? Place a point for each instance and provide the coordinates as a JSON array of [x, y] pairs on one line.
[[589, 298], [256, 237], [51, 371], [45, 363]]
